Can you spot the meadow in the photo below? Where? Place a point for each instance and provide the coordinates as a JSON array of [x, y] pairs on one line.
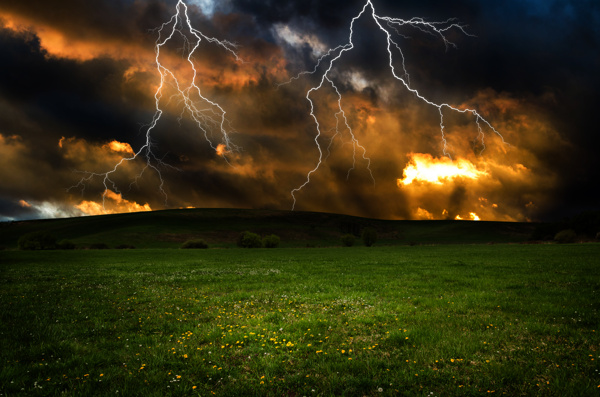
[[510, 319]]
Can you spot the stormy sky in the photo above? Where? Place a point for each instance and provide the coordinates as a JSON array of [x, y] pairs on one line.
[[79, 83]]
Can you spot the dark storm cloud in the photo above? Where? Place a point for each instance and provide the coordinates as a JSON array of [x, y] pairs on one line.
[[555, 49], [67, 96], [44, 98], [328, 14], [542, 55], [10, 210], [90, 19]]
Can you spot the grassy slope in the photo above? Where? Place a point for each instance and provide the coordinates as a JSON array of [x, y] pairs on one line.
[[445, 320], [220, 227]]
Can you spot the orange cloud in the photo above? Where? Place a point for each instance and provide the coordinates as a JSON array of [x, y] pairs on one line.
[[221, 149], [61, 45], [423, 214], [472, 216], [91, 156], [464, 189], [113, 203], [119, 147]]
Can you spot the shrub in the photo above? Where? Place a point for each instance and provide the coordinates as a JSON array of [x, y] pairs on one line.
[[98, 246], [249, 240], [271, 241], [125, 247], [369, 236], [565, 236], [66, 245], [348, 240], [37, 241], [598, 236], [195, 243]]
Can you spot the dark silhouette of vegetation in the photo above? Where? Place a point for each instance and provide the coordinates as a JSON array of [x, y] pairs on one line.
[[98, 246], [249, 240], [37, 241], [195, 243], [271, 241], [348, 240], [66, 245], [350, 227], [586, 224], [369, 236], [565, 236], [169, 229], [125, 247], [545, 231]]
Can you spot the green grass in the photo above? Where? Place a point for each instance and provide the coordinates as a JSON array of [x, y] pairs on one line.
[[422, 320], [221, 227]]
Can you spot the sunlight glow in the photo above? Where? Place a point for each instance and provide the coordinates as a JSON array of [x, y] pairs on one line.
[[422, 167]]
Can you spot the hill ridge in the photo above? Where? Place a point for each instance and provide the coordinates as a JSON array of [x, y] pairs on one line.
[[221, 226]]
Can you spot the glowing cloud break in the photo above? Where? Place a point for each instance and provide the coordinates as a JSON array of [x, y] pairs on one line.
[[425, 168]]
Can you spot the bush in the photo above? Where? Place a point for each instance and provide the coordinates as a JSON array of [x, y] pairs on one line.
[[125, 247], [249, 240], [348, 240], [598, 236], [271, 241], [565, 236], [195, 243], [37, 241], [66, 245], [369, 236], [98, 246]]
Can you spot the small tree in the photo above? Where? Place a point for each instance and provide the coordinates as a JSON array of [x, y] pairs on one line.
[[565, 236], [195, 243], [37, 241], [249, 240], [369, 236], [348, 240], [271, 241]]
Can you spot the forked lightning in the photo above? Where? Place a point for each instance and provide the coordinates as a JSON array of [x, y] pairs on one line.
[[208, 115], [391, 28]]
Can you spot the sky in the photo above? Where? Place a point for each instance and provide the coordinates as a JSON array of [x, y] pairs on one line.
[[83, 90]]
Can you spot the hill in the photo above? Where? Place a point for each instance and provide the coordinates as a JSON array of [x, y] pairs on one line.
[[220, 228]]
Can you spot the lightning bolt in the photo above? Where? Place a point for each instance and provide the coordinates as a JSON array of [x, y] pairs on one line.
[[207, 115], [388, 26]]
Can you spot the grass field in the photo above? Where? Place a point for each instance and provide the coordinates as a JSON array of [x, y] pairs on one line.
[[421, 320]]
